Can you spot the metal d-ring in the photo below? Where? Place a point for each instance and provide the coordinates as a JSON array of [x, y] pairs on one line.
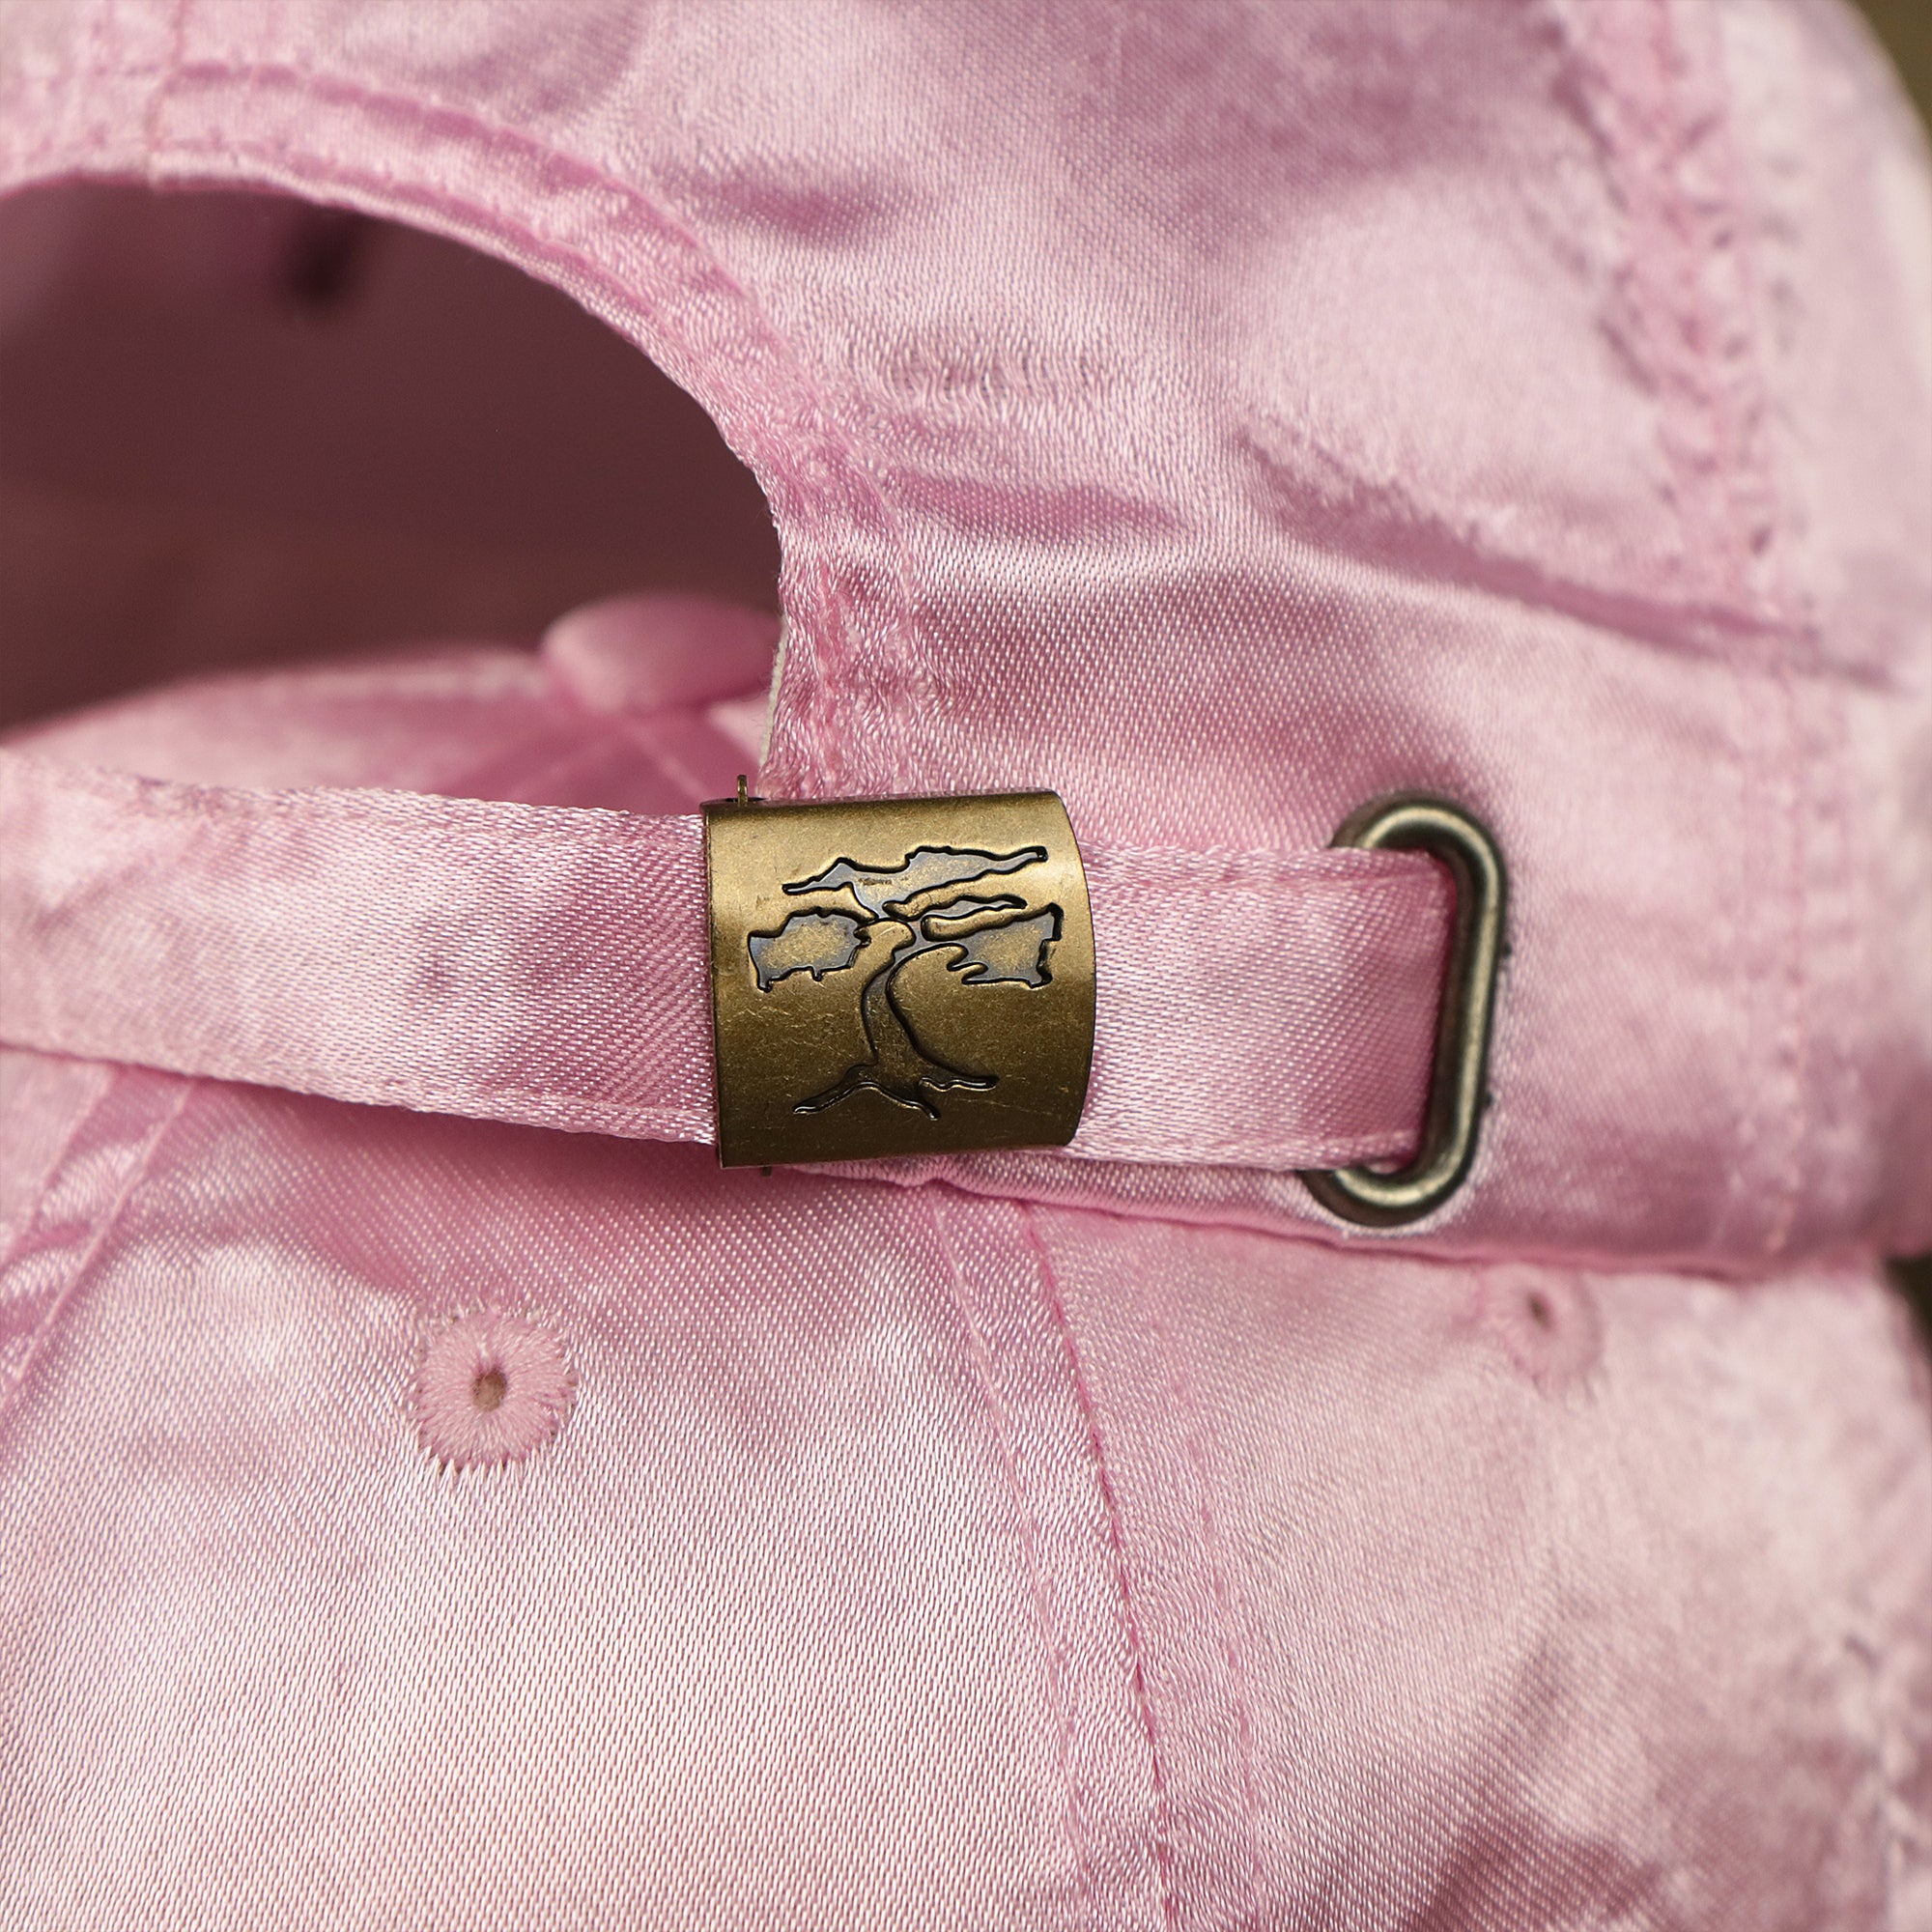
[[1458, 1089]]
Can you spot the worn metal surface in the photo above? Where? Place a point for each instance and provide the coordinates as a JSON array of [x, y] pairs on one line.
[[1459, 1088], [898, 977]]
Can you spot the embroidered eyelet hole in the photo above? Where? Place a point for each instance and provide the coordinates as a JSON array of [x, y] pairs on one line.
[[1546, 1324], [492, 1388]]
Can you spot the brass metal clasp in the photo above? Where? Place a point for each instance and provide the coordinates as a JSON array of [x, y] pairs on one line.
[[1459, 1088], [900, 976]]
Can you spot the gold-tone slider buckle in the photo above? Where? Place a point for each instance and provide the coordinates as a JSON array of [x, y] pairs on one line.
[[900, 976]]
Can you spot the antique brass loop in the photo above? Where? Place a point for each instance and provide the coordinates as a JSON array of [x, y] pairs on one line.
[[1457, 1090], [909, 975]]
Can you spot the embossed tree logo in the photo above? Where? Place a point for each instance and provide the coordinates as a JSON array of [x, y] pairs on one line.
[[873, 922]]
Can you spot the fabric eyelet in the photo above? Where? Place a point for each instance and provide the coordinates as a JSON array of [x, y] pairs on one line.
[[492, 1388], [1545, 1321]]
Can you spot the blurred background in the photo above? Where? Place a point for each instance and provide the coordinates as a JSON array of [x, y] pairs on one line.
[[1905, 28]]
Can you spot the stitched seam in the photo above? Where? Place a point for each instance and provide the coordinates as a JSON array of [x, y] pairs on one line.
[[1746, 751], [31, 1219], [535, 1108], [845, 666], [588, 829], [834, 671], [1792, 611], [1103, 1477], [1102, 1142], [1035, 1541], [1194, 1429], [1638, 86], [1735, 450], [110, 1221], [1794, 603], [167, 71]]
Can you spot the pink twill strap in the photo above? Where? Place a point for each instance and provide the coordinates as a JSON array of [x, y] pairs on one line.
[[546, 965]]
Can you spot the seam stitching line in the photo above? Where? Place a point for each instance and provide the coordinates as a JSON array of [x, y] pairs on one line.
[[1035, 1551], [1103, 1475]]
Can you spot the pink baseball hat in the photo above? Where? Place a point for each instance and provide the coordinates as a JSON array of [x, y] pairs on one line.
[[434, 1491]]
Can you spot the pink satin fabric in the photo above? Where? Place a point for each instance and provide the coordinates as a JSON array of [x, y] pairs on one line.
[[906, 1558], [1493, 480], [518, 963], [1221, 415], [909, 1560]]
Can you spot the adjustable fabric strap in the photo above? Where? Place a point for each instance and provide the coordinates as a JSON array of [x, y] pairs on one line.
[[548, 966]]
